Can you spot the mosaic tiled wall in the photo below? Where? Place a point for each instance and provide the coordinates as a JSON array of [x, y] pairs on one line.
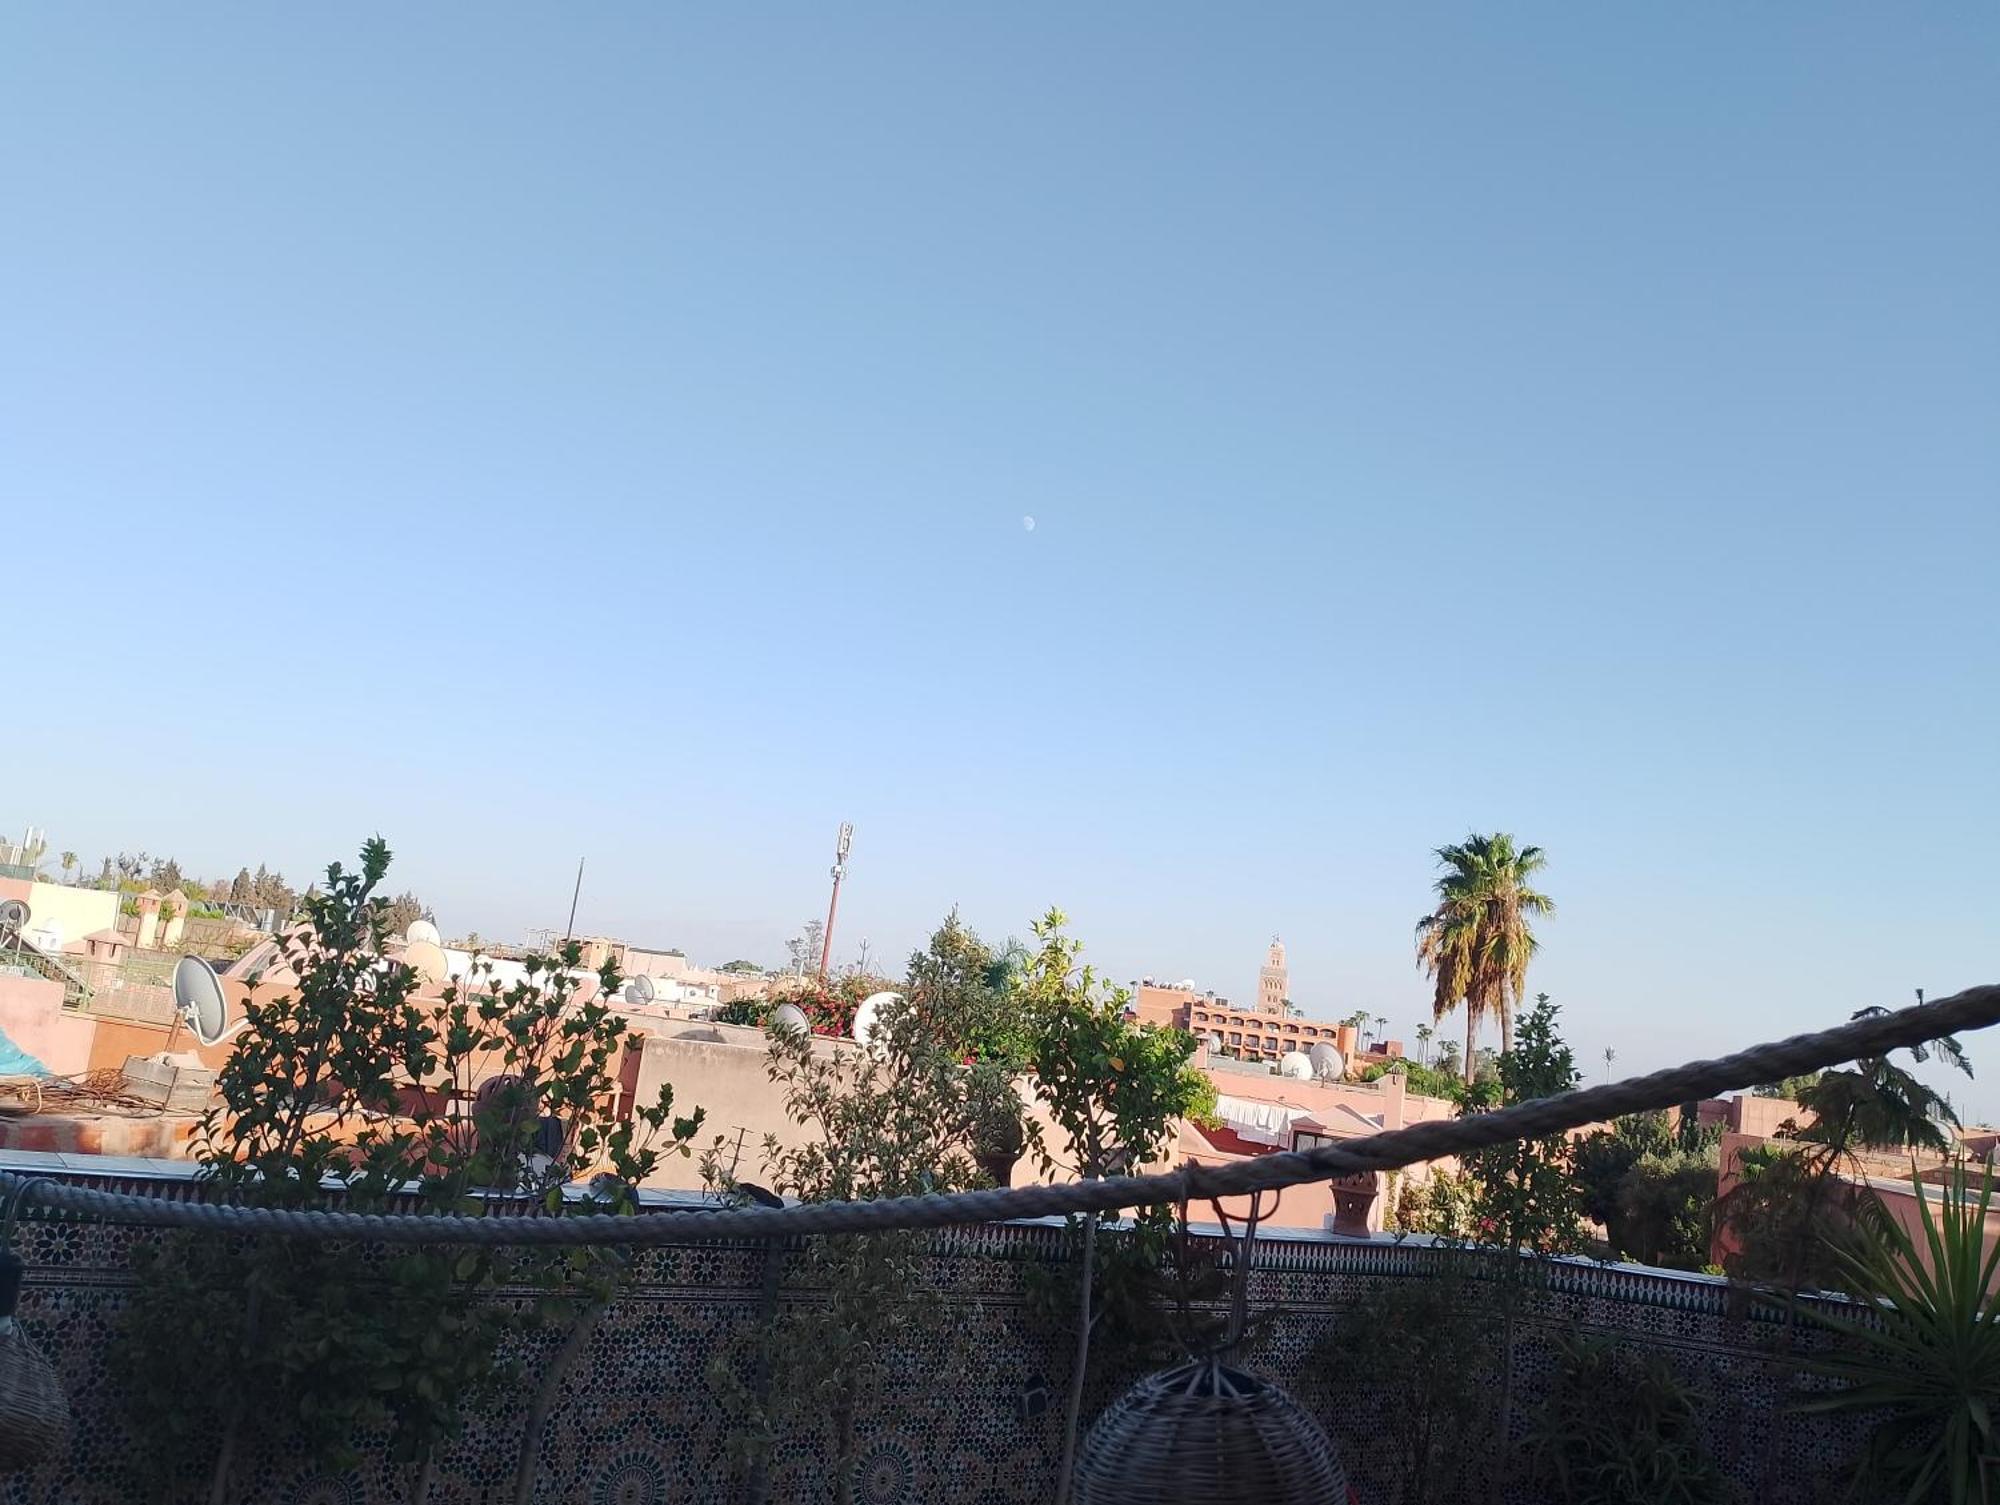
[[637, 1425]]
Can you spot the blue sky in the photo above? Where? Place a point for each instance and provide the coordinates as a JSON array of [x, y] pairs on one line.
[[536, 432]]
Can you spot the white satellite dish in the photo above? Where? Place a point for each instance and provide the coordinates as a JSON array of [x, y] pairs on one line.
[[15, 914], [868, 1016], [1327, 1062], [427, 960], [198, 995], [423, 930], [789, 1016], [1295, 1064], [640, 991]]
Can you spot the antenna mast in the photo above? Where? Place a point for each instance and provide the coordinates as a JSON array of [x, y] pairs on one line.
[[574, 894], [839, 872]]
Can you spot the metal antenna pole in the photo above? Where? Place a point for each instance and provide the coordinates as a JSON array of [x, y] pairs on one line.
[[833, 904], [575, 894]]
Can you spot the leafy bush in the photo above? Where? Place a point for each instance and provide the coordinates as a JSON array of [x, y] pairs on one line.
[[1424, 1081], [1650, 1180], [1619, 1428], [1414, 1372], [348, 1079], [750, 1011]]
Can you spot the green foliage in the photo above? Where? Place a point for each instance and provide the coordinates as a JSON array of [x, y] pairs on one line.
[[829, 1003], [960, 992], [1790, 1087], [1115, 1090], [1477, 942], [1664, 1209], [1619, 1428], [1921, 1371], [886, 1121], [1880, 1104], [739, 965], [1650, 1181], [1788, 1209], [349, 1080], [1528, 1195], [1415, 1363], [1424, 1081], [1794, 1202], [751, 1011]]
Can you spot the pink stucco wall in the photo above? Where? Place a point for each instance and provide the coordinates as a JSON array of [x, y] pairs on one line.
[[31, 1013]]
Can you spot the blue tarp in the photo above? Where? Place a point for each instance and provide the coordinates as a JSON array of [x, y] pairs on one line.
[[15, 1061]]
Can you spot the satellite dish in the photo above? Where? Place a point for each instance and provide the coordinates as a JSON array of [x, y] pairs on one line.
[[198, 995], [423, 930], [15, 914], [1328, 1063], [640, 990], [427, 960], [868, 1016], [1295, 1064], [1214, 1044], [790, 1016]]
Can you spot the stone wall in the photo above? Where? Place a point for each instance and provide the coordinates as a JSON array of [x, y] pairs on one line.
[[638, 1425]]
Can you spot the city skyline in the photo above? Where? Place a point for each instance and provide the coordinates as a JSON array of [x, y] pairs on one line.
[[1366, 977]]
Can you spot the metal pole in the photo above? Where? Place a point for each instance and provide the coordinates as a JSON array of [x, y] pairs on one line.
[[575, 894], [846, 840], [826, 941]]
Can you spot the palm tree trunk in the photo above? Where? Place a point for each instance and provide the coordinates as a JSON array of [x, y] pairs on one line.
[[1471, 1033], [1506, 1027]]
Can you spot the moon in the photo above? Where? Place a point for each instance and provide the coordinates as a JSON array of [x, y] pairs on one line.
[[1027, 525]]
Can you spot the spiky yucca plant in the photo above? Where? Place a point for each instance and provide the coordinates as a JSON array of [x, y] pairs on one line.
[[1925, 1365]]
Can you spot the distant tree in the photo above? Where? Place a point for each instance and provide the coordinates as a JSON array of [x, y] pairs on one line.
[[1477, 943], [1650, 1180], [242, 888], [739, 965], [68, 861], [804, 948], [1448, 1058], [1424, 1033], [166, 875], [1790, 1087], [1794, 1201], [403, 911]]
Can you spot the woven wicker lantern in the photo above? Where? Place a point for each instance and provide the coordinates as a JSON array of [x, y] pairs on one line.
[[1205, 1433], [34, 1412]]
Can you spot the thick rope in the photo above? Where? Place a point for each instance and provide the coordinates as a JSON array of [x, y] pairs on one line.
[[1973, 1009]]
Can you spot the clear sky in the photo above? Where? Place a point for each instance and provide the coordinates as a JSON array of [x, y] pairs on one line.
[[609, 430]]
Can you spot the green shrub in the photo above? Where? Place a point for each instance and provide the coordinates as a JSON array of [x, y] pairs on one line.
[[1619, 1428]]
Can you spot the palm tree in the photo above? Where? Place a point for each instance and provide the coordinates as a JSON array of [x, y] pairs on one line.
[[1477, 943], [1424, 1033], [1610, 1055], [68, 860]]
